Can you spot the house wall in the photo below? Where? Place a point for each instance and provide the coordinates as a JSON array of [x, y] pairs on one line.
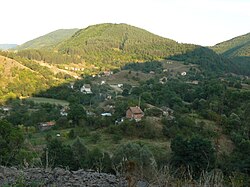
[[129, 114], [138, 116]]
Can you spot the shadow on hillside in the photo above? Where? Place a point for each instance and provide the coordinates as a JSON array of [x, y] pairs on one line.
[[242, 64], [206, 58], [235, 49]]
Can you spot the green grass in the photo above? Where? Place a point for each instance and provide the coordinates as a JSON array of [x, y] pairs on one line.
[[126, 77], [48, 100]]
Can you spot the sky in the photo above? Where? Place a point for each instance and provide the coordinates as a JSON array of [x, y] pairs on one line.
[[202, 22]]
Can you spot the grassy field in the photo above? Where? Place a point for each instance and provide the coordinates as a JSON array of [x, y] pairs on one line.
[[126, 76], [48, 100], [176, 67]]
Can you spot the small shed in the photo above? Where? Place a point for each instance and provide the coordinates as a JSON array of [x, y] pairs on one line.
[[86, 89], [46, 125]]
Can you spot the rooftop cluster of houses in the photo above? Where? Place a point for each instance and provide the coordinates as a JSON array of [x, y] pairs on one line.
[[132, 113], [103, 74], [86, 88], [73, 68]]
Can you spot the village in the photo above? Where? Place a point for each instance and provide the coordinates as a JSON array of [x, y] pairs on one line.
[[102, 95]]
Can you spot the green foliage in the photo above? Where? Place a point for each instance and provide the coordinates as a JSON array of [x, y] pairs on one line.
[[76, 113], [24, 77], [238, 51], [238, 46], [142, 129], [239, 160], [145, 67], [48, 40], [115, 43], [95, 137], [11, 140], [110, 46], [59, 155], [80, 153], [71, 134], [139, 154], [32, 115], [207, 59], [196, 154]]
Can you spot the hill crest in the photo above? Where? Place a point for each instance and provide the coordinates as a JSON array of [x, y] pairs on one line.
[[237, 46], [48, 40]]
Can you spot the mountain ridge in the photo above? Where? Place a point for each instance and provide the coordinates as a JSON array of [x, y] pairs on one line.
[[47, 40], [108, 46], [237, 46], [7, 46]]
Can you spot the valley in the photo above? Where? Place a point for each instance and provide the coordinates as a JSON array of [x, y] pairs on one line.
[[108, 95]]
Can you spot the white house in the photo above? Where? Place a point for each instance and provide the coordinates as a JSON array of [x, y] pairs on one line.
[[71, 85], [64, 112], [184, 73], [163, 80], [107, 114], [120, 85], [86, 89], [5, 109]]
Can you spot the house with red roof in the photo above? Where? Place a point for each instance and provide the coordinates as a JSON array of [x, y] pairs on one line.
[[134, 113]]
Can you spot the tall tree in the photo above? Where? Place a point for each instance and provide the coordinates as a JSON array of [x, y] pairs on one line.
[[76, 113]]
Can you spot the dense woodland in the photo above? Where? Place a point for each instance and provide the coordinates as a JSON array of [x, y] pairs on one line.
[[196, 125]]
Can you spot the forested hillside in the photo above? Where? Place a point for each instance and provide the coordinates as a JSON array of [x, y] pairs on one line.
[[21, 77], [108, 46], [238, 46], [48, 40], [238, 51], [105, 47]]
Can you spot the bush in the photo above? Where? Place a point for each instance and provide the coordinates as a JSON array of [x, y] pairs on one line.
[[95, 137], [71, 134], [195, 154], [154, 112], [141, 157], [116, 138]]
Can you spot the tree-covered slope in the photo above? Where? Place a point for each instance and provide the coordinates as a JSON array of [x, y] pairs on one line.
[[238, 51], [22, 77], [115, 43], [238, 46], [48, 40], [107, 46]]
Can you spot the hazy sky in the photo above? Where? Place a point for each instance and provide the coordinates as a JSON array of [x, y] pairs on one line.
[[204, 22]]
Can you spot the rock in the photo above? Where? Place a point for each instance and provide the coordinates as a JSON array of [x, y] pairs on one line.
[[59, 177]]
